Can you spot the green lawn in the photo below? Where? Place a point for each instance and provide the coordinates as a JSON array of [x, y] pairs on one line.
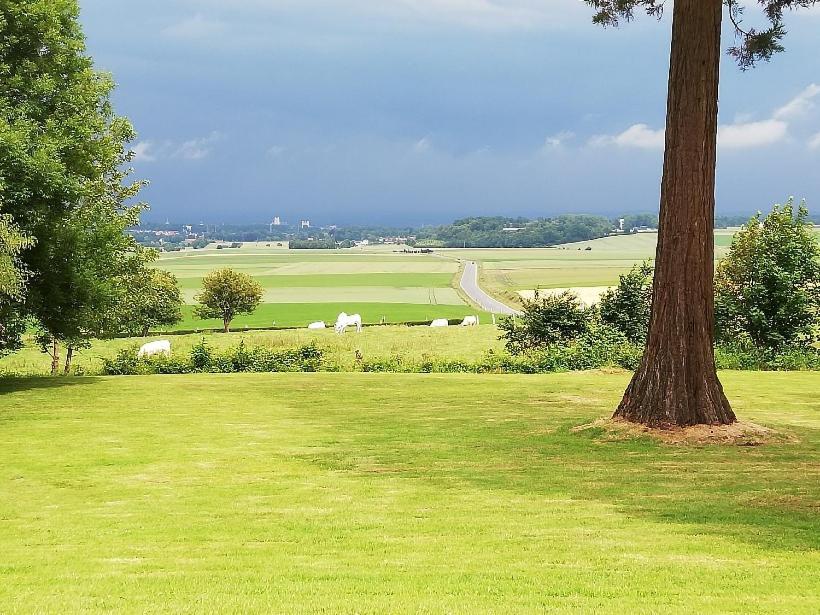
[[376, 493]]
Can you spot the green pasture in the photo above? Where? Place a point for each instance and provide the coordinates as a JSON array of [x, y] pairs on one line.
[[301, 314], [391, 493], [409, 343]]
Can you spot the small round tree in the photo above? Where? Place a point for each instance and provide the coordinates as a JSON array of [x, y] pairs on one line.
[[227, 293], [767, 288]]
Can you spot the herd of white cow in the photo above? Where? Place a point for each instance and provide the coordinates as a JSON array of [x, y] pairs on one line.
[[163, 347]]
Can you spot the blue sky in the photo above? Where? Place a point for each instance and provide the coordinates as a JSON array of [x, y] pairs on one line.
[[421, 111]]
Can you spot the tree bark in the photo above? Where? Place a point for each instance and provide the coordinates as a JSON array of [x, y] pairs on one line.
[[145, 331], [55, 358], [69, 355], [676, 383], [227, 326]]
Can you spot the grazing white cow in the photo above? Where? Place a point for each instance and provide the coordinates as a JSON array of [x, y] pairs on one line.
[[440, 322], [470, 321], [317, 325], [154, 348], [344, 321]]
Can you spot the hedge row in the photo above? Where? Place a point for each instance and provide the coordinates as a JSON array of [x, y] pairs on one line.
[[583, 354]]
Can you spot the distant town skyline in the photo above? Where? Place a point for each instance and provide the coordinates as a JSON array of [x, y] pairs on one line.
[[419, 113]]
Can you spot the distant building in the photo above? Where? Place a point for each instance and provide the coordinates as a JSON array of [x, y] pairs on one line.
[[304, 223], [276, 221], [513, 229]]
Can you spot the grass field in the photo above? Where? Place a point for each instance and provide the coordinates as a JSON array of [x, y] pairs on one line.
[[302, 286], [409, 343], [374, 493]]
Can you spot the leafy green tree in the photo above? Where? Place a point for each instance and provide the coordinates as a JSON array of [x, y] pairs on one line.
[[226, 294], [153, 300], [676, 382], [627, 307], [63, 164], [12, 285], [546, 320], [768, 285]]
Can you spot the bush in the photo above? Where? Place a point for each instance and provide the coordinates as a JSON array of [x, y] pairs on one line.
[[545, 321], [124, 363], [202, 359], [744, 355], [627, 307], [767, 289]]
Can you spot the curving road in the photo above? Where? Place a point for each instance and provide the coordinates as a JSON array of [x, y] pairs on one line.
[[469, 284]]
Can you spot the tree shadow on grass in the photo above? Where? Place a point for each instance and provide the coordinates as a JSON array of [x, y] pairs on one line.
[[16, 384], [765, 496]]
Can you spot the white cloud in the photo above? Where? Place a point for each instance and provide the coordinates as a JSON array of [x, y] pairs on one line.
[[192, 149], [752, 134], [799, 105], [197, 149], [814, 142], [276, 150], [142, 152], [197, 27], [557, 140], [638, 135], [741, 134], [422, 145]]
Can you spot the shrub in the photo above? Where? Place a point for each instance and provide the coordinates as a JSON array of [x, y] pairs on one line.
[[124, 363], [202, 359], [627, 307], [545, 321], [767, 288]]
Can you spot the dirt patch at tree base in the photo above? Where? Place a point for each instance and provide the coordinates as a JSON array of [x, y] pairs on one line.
[[740, 433]]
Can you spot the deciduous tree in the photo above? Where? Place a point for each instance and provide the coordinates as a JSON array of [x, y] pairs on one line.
[[767, 288], [226, 294]]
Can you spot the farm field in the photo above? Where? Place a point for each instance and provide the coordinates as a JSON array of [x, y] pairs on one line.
[[302, 286], [409, 343], [397, 493], [587, 264]]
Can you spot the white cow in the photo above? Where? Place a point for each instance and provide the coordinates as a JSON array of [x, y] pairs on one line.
[[344, 321], [470, 321], [317, 325], [154, 348], [440, 322]]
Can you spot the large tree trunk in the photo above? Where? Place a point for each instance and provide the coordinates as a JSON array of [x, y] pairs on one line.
[[226, 325], [676, 383]]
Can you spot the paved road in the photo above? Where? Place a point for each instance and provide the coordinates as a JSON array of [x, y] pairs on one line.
[[469, 284]]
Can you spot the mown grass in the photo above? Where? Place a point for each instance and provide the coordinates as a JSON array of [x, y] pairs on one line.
[[396, 493], [409, 343]]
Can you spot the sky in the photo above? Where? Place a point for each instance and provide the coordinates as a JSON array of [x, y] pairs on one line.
[[422, 111]]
